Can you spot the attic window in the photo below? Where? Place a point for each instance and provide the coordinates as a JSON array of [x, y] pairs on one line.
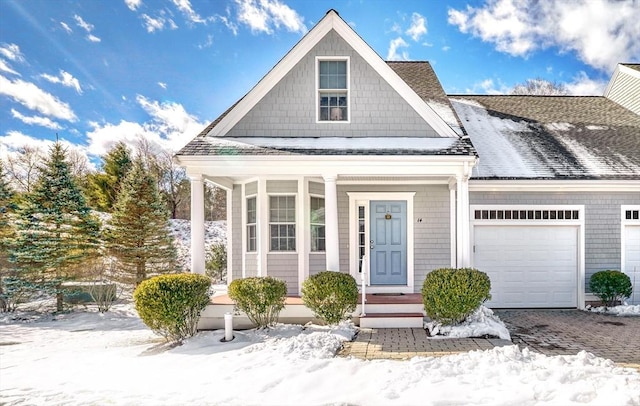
[[333, 89]]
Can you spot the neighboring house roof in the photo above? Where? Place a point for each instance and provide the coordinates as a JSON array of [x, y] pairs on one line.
[[551, 137], [624, 86]]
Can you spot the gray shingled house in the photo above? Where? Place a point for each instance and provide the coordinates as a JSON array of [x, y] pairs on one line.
[[339, 160]]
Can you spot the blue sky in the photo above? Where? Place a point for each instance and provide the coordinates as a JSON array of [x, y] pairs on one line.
[[96, 72]]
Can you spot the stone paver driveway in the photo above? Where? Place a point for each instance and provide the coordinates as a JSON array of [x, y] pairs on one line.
[[563, 332]]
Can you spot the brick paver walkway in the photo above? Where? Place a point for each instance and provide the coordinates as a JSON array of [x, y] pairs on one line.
[[549, 332], [556, 332], [404, 343]]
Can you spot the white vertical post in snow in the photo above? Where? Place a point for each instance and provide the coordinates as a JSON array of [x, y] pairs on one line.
[[228, 326], [332, 244], [197, 224]]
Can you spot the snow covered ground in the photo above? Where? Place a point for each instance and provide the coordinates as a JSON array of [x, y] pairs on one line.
[[214, 232], [87, 358], [621, 310]]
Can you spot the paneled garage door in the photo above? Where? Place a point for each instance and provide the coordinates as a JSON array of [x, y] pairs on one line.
[[529, 265], [632, 260]]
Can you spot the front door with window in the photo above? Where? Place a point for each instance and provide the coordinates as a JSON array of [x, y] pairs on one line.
[[388, 242]]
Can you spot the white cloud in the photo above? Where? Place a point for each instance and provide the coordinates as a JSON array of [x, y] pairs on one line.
[[133, 4], [394, 45], [66, 27], [418, 27], [185, 7], [265, 15], [170, 127], [446, 48], [162, 85], [487, 86], [11, 52], [65, 79], [14, 140], [601, 32], [87, 27], [4, 66], [208, 43], [582, 85], [83, 24], [228, 23], [34, 98], [158, 24], [36, 120]]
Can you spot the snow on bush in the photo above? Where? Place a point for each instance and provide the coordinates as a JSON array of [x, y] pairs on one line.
[[621, 310], [481, 323]]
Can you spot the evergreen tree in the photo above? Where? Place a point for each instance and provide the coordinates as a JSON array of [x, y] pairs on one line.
[[55, 231], [138, 234], [104, 186], [6, 231]]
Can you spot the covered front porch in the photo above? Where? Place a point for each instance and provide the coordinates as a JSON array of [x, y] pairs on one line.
[[337, 215]]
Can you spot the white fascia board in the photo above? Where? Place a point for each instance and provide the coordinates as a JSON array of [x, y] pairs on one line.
[[246, 166], [331, 21], [555, 185]]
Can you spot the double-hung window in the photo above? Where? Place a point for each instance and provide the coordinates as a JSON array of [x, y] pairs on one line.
[[317, 224], [333, 89], [251, 224], [282, 223]]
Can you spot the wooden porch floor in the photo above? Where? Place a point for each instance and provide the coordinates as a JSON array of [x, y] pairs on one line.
[[408, 298]]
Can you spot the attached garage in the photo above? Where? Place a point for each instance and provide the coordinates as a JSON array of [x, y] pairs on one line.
[[631, 248], [531, 254]]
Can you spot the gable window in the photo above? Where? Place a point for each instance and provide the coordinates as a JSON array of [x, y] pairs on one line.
[[251, 224], [333, 89], [317, 224], [282, 223]]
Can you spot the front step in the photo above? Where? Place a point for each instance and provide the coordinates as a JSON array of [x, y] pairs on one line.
[[392, 320]]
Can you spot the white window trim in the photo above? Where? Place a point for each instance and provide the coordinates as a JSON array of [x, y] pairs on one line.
[[624, 223], [295, 223], [317, 90], [317, 196], [579, 223], [364, 198], [245, 221]]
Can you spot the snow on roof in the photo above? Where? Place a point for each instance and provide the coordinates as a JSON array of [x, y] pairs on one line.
[[551, 137]]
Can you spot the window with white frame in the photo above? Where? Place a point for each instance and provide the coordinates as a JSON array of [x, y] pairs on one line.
[[317, 224], [333, 89], [282, 223], [251, 224]]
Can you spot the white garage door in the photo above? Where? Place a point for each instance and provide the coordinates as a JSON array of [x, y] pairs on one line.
[[529, 266], [632, 260]]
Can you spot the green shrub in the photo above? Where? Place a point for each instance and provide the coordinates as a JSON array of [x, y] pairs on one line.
[[260, 298], [216, 263], [330, 295], [451, 295], [170, 305], [610, 286]]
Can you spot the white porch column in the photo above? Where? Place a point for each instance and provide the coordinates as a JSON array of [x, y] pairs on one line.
[[332, 244], [197, 224], [463, 239]]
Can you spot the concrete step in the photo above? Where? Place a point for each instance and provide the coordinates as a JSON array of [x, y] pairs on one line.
[[392, 320], [390, 308]]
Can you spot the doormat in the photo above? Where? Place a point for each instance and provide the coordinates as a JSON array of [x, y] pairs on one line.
[[388, 294]]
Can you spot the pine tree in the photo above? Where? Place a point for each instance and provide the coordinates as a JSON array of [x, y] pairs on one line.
[[138, 234], [56, 232], [104, 186], [6, 231]]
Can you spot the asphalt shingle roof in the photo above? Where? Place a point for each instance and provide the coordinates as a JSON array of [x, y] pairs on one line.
[[551, 137]]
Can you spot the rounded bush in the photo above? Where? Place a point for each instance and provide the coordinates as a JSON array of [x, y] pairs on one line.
[[610, 286], [330, 295], [260, 298], [170, 305], [451, 295]]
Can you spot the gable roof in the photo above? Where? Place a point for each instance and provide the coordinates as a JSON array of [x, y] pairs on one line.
[[331, 21], [624, 86], [551, 137]]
